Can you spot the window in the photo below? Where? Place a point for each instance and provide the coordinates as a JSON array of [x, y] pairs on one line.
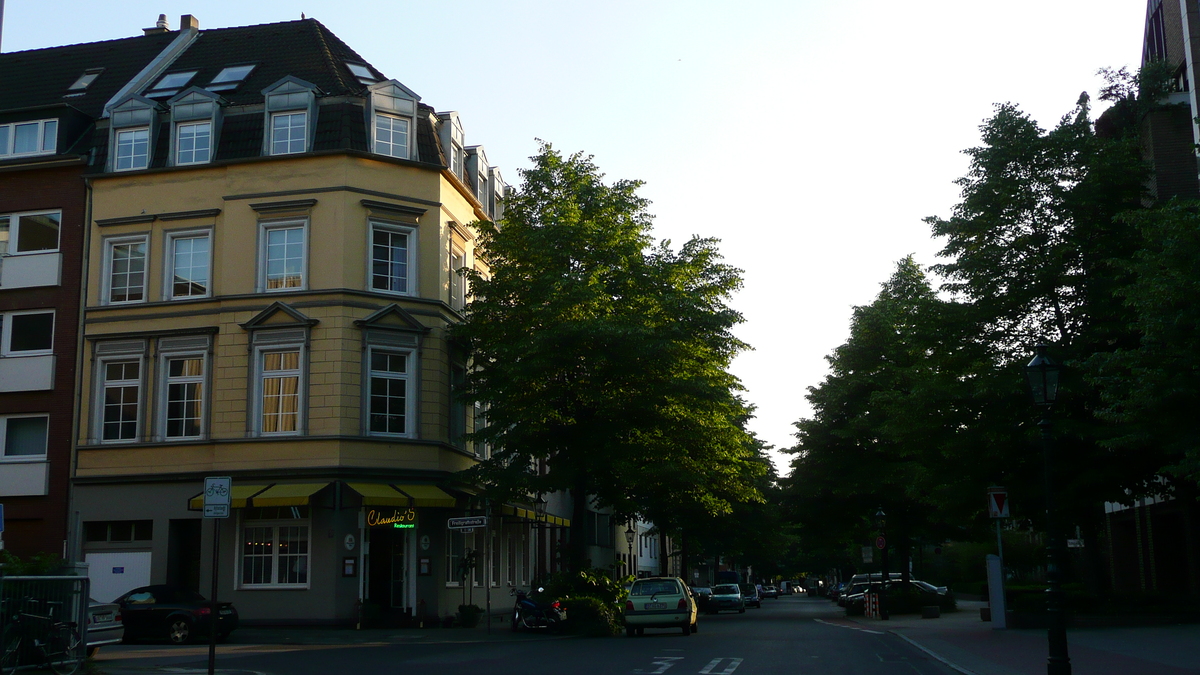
[[27, 333], [126, 262], [133, 149], [362, 72], [193, 143], [392, 250], [188, 257], [29, 232], [458, 409], [456, 159], [39, 137], [283, 256], [275, 552], [23, 436], [482, 450], [279, 391], [391, 136], [118, 531], [389, 397], [288, 133], [457, 281], [494, 553], [121, 386], [229, 78], [171, 83], [455, 550], [184, 396], [86, 79]]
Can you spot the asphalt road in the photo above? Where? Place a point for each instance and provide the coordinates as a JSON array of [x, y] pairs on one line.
[[792, 635]]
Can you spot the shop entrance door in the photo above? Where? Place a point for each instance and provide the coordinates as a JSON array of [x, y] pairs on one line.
[[388, 574], [399, 589]]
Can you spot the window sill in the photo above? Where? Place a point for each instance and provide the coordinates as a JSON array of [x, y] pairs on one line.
[[23, 459]]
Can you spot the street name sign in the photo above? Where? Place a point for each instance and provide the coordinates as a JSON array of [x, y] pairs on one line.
[[218, 496], [466, 522]]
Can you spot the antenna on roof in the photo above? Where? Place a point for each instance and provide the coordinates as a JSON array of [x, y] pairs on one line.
[[302, 17]]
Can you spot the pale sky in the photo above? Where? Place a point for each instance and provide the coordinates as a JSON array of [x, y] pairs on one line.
[[810, 137]]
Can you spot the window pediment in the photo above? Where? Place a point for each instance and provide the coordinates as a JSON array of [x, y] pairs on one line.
[[279, 315], [392, 318]]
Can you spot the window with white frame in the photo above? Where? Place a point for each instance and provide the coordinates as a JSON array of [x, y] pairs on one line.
[[133, 149], [289, 133], [193, 142], [32, 232], [183, 392], [458, 283], [283, 256], [482, 450], [120, 399], [23, 437], [275, 548], [391, 135], [455, 551], [390, 392], [392, 257], [125, 264], [279, 381], [188, 260], [27, 333], [495, 553], [456, 159], [37, 137]]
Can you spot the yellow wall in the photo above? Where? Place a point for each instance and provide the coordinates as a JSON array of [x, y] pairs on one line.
[[337, 295]]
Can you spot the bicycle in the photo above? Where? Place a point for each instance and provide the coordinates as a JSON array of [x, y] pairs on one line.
[[53, 643]]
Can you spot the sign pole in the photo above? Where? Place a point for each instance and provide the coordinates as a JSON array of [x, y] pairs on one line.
[[212, 626], [488, 553]]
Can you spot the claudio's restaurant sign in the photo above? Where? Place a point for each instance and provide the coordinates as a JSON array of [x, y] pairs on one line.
[[400, 519]]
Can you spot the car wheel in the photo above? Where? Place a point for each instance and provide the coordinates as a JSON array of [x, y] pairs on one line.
[[696, 627], [180, 632], [516, 624], [630, 631]]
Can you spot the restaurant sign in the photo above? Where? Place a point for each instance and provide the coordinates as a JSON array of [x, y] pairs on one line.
[[400, 519]]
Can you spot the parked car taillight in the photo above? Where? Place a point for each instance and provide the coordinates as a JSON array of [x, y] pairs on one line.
[[202, 611], [628, 605], [682, 604], [117, 616]]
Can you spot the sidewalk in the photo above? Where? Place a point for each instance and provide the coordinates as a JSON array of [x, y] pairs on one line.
[[973, 647]]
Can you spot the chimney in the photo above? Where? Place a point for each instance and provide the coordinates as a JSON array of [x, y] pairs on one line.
[[160, 26], [187, 22]]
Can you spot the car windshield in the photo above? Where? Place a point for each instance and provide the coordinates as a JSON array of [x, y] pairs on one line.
[[725, 590], [655, 587], [747, 589], [858, 588]]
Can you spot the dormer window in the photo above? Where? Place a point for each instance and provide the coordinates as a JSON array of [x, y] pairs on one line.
[[85, 79], [494, 203], [39, 137], [363, 73], [477, 169], [194, 119], [450, 133], [171, 83], [133, 124], [291, 109], [394, 108], [229, 78]]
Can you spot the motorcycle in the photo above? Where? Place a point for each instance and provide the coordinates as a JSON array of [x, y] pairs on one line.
[[528, 614]]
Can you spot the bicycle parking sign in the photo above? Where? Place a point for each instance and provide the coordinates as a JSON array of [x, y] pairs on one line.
[[218, 496]]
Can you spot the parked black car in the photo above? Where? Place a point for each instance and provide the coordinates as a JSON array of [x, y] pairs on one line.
[[177, 614]]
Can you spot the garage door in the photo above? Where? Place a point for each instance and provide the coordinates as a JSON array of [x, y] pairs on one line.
[[113, 574]]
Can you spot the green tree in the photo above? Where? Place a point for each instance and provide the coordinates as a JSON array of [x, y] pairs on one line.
[[602, 358]]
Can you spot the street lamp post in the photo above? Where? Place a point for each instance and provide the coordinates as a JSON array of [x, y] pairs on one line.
[[881, 522], [1043, 373], [629, 535], [539, 508]]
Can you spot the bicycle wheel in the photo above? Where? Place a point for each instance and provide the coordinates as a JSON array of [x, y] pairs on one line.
[[63, 649], [10, 658]]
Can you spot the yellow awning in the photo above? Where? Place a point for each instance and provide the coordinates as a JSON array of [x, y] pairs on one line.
[[287, 494], [240, 494], [428, 496], [379, 494]]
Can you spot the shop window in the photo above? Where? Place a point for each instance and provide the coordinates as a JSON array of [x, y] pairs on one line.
[[274, 554]]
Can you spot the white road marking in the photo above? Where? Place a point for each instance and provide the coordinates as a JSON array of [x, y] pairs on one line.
[[733, 665], [864, 630], [663, 663]]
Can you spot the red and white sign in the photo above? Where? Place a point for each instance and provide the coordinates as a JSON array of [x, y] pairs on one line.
[[998, 502], [880, 543]]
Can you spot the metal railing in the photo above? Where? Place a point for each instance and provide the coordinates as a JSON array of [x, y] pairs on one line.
[[43, 621]]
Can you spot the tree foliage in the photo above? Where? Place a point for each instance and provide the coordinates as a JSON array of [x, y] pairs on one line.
[[603, 357]]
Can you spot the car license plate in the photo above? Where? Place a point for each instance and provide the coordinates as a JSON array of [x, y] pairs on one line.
[[104, 618], [227, 611], [655, 605]]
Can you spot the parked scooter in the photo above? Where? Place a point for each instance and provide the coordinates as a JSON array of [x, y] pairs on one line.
[[528, 614]]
